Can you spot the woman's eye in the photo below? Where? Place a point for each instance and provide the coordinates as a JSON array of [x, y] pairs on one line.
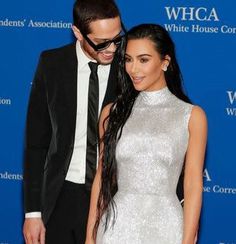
[[127, 59], [143, 60]]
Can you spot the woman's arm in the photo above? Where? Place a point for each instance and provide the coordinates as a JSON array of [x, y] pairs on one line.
[[193, 177], [97, 181]]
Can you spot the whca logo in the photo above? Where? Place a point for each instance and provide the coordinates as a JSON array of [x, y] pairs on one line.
[[192, 14]]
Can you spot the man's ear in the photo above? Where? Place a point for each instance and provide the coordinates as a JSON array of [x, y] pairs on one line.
[[77, 33]]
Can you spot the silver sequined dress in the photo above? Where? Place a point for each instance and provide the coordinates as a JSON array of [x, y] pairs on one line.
[[150, 155]]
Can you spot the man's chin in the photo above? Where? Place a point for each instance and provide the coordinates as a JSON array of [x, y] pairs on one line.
[[105, 60]]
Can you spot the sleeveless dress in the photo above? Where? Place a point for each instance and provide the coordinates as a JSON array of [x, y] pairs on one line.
[[150, 156]]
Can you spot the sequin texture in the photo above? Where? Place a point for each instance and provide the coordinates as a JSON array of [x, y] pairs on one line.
[[150, 155]]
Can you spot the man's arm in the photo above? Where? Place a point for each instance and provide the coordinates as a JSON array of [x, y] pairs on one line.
[[38, 136]]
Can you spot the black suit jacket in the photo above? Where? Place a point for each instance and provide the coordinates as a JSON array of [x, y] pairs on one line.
[[50, 127]]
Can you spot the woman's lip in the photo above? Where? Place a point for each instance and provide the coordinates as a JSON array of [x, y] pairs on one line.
[[137, 79]]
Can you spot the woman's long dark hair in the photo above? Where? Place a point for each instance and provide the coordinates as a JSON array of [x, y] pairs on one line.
[[121, 109]]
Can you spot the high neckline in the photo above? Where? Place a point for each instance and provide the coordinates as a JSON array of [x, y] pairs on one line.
[[155, 97]]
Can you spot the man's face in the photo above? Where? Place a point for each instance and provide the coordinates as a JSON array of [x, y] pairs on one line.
[[101, 31]]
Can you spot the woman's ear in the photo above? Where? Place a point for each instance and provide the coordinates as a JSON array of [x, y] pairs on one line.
[[166, 62], [168, 59]]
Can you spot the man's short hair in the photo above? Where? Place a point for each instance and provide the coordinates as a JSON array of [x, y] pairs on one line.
[[86, 11]]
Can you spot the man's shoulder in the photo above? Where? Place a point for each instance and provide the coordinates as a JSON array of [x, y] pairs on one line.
[[60, 52]]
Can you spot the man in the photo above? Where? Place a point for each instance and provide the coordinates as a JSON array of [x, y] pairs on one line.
[[68, 92]]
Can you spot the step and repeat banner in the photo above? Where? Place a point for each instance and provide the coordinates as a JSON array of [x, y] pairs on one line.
[[205, 37]]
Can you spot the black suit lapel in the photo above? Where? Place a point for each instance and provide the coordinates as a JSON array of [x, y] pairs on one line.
[[70, 91]]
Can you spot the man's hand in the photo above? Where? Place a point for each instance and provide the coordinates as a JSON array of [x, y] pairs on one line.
[[34, 231]]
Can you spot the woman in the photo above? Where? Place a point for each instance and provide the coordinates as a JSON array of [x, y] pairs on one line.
[[151, 131]]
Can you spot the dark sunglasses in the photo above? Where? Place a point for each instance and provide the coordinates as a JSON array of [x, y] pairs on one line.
[[104, 45]]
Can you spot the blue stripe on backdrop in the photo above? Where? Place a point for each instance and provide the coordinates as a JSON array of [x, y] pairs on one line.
[[204, 33]]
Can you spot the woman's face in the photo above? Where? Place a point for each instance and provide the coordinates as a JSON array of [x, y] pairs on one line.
[[144, 65]]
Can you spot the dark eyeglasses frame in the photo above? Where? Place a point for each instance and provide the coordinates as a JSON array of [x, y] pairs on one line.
[[104, 45]]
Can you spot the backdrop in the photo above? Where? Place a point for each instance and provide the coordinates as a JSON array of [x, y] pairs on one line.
[[204, 33]]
